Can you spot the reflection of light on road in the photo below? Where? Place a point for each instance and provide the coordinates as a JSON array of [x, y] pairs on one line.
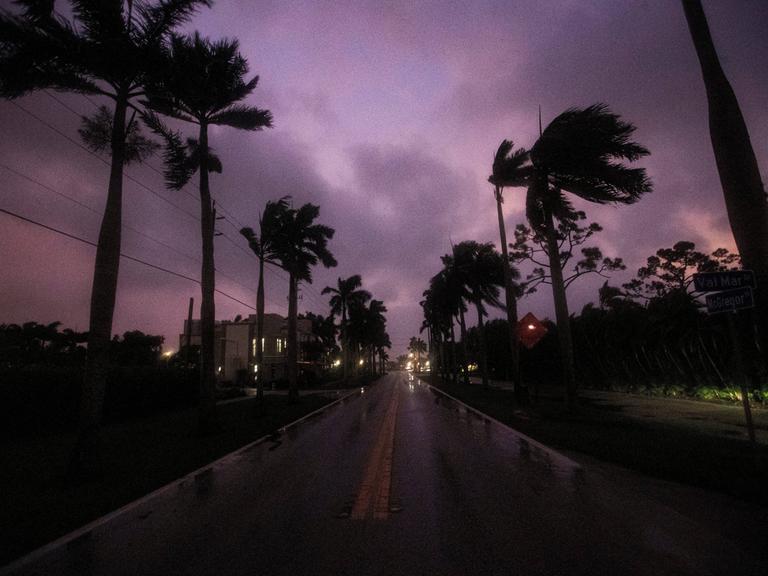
[[411, 387], [362, 390]]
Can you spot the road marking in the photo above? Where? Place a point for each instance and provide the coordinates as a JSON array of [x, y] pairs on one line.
[[374, 493]]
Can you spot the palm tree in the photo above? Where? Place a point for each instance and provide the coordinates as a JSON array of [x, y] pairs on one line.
[[202, 82], [263, 245], [418, 347], [485, 275], [477, 270], [740, 179], [374, 331], [108, 49], [510, 168], [578, 153], [300, 245], [448, 294], [346, 294]]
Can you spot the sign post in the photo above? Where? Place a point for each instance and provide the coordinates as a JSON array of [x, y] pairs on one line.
[[732, 291]]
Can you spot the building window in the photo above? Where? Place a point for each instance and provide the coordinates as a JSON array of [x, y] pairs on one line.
[[279, 345], [262, 344], [253, 347]]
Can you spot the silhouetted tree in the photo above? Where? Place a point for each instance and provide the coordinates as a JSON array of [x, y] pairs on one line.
[[531, 246], [300, 245], [346, 294], [107, 49], [511, 168], [578, 153], [743, 190], [202, 82], [417, 346], [263, 245]]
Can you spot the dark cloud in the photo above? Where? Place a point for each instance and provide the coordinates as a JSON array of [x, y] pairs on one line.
[[387, 116]]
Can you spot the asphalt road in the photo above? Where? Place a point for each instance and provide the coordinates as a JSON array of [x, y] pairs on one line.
[[398, 480]]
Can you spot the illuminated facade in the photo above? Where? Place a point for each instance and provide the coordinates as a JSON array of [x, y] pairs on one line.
[[236, 347]]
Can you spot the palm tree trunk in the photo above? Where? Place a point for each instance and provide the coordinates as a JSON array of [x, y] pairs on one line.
[[464, 363], [207, 405], [344, 342], [511, 301], [86, 457], [292, 352], [481, 343], [454, 369], [561, 311], [745, 198], [260, 334]]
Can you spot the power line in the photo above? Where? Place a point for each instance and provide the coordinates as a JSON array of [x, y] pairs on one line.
[[93, 210], [129, 227], [311, 292], [102, 160], [149, 164], [122, 255], [228, 216]]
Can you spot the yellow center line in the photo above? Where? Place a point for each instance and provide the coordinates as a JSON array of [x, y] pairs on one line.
[[375, 488]]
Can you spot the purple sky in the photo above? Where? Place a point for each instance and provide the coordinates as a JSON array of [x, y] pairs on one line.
[[387, 115]]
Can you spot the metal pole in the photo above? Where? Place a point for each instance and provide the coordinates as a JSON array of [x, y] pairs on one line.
[[739, 358], [188, 335]]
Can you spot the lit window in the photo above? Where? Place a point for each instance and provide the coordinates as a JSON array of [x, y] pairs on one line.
[[263, 340], [279, 345], [253, 346]]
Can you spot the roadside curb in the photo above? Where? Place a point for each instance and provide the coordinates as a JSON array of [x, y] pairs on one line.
[[83, 530], [551, 451]]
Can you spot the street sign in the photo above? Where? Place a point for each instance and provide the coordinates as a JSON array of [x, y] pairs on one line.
[[530, 330], [730, 300], [726, 280]]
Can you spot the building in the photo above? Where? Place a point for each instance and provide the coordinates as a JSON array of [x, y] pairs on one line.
[[236, 347]]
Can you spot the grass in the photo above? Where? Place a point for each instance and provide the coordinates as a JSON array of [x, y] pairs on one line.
[[688, 445], [139, 457]]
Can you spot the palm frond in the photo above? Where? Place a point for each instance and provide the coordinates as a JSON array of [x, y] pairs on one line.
[[510, 167], [178, 165], [153, 21], [243, 117], [96, 132]]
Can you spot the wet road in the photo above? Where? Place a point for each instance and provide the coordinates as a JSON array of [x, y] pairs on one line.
[[396, 480]]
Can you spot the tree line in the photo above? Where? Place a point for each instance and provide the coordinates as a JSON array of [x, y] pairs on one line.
[[131, 54], [586, 152]]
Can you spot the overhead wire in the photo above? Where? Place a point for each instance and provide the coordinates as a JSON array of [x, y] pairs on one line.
[[122, 254], [310, 290], [229, 217], [131, 228]]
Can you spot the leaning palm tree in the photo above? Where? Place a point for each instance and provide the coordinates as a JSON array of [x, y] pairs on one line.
[[107, 49], [299, 245], [740, 179], [346, 295], [511, 168], [579, 152], [263, 245], [203, 82]]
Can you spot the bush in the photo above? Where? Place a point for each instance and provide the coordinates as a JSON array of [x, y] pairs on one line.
[[41, 399], [36, 398], [143, 390]]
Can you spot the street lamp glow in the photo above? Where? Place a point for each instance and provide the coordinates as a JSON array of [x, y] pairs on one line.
[[531, 327], [361, 362], [168, 353]]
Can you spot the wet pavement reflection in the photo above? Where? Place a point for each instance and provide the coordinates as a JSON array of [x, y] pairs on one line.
[[399, 479]]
